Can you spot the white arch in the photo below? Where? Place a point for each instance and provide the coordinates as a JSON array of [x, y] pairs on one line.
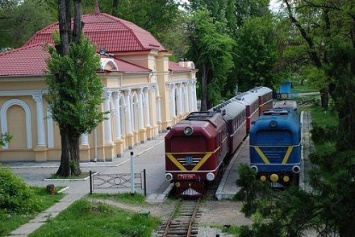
[[27, 110], [108, 64]]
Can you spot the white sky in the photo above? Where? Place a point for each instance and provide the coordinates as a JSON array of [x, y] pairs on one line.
[[275, 5]]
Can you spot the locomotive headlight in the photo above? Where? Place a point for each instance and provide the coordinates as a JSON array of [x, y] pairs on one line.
[[296, 169], [274, 178], [188, 130], [254, 167], [210, 176], [286, 178], [273, 124], [168, 176], [263, 178], [177, 184]]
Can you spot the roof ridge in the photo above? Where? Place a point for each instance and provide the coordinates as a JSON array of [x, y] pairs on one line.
[[117, 19]]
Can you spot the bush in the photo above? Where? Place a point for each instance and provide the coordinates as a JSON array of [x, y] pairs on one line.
[[324, 134], [15, 194]]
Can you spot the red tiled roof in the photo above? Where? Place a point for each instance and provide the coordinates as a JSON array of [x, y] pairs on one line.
[[31, 61], [175, 67], [27, 60], [129, 67], [109, 32]]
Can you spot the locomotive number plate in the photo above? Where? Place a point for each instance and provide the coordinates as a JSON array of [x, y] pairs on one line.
[[186, 176]]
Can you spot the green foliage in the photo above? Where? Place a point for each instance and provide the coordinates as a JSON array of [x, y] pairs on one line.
[[19, 20], [211, 51], [5, 138], [15, 194], [85, 218], [333, 179], [315, 76], [75, 90], [40, 200], [325, 126], [250, 190], [256, 53]]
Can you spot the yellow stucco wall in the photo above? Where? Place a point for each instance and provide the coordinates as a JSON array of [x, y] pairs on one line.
[[23, 91]]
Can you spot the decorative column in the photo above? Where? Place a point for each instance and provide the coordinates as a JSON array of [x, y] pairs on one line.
[[158, 106], [147, 114], [194, 97], [117, 114], [108, 144], [172, 103], [186, 98], [40, 122], [129, 134], [180, 99], [84, 139], [50, 132], [142, 130], [41, 149], [84, 148], [119, 142]]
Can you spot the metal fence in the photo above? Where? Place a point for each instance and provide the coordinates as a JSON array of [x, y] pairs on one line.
[[118, 181]]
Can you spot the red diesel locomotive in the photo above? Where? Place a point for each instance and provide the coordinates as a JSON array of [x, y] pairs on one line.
[[197, 147]]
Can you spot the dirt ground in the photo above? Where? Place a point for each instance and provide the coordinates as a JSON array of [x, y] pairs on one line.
[[213, 213]]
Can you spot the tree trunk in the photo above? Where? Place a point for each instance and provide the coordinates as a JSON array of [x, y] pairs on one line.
[[114, 11], [324, 98], [204, 94], [64, 26], [69, 161], [78, 24]]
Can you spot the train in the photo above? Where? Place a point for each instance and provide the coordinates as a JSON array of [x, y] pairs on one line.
[[198, 147], [275, 145]]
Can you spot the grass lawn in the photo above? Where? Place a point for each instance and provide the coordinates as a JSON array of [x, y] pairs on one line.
[[11, 221], [87, 218]]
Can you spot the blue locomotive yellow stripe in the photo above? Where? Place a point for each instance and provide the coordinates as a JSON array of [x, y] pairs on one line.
[[261, 154], [287, 155], [265, 159]]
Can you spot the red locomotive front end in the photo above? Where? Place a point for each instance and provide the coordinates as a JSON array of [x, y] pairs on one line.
[[194, 151]]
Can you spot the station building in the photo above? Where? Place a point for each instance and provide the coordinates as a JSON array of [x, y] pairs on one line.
[[144, 93]]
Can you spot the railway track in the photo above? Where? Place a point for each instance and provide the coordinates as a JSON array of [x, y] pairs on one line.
[[182, 221]]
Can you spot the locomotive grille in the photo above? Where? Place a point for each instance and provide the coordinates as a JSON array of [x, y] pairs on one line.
[[274, 154], [189, 160]]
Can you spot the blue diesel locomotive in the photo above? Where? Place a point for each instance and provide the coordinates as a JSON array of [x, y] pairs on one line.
[[275, 147]]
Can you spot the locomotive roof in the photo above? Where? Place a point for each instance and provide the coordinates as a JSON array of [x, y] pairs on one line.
[[286, 104], [206, 123], [247, 98], [286, 118], [213, 117], [261, 90], [230, 109], [233, 109]]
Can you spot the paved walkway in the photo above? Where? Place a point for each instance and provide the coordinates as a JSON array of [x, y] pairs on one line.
[[36, 174]]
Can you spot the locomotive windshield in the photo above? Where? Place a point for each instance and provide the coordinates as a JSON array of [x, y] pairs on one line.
[[267, 138], [188, 144]]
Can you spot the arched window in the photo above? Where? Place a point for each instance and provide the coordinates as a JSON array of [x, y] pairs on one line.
[[19, 109]]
